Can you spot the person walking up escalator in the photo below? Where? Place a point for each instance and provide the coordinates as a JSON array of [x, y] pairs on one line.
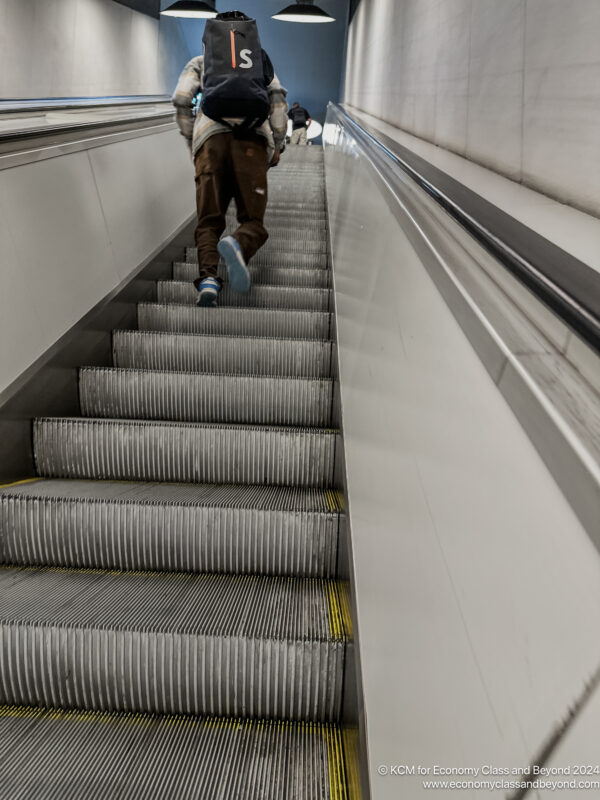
[[237, 135], [300, 122]]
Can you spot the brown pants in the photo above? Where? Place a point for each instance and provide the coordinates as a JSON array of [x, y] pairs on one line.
[[230, 168]]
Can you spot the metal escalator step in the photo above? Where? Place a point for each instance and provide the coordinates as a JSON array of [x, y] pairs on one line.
[[196, 528], [171, 527], [51, 754], [283, 225], [294, 246], [305, 217], [260, 296], [306, 197], [276, 259], [194, 397], [305, 189], [300, 177], [234, 321], [182, 452], [245, 355], [301, 209], [289, 233], [309, 278], [173, 643]]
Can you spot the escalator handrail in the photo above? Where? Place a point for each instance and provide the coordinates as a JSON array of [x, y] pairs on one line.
[[565, 284], [86, 127], [71, 103]]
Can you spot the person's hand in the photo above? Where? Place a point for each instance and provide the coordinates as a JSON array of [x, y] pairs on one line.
[[275, 159]]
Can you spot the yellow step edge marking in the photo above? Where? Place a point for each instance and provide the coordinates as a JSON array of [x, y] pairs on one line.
[[338, 610], [350, 745], [334, 500], [335, 764], [20, 483], [344, 589]]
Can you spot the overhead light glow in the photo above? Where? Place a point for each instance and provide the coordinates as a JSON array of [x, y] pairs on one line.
[[191, 9], [303, 12], [313, 131]]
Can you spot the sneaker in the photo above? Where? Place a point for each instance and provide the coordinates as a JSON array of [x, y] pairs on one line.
[[209, 288], [237, 271]]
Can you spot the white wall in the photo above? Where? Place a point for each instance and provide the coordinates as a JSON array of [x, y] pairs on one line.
[[86, 48], [512, 84], [74, 227]]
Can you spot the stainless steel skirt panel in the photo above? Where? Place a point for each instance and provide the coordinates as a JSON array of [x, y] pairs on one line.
[[183, 452], [222, 354], [181, 396]]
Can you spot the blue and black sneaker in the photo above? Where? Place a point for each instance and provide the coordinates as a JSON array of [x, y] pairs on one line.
[[237, 271], [209, 289]]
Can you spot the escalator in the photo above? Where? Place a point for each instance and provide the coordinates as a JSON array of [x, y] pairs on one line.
[[173, 622]]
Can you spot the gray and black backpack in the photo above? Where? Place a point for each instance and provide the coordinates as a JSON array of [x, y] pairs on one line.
[[237, 71]]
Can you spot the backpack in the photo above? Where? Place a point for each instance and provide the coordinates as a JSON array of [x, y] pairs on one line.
[[237, 72]]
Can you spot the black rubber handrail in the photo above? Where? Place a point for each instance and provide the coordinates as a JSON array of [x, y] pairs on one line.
[[562, 282]]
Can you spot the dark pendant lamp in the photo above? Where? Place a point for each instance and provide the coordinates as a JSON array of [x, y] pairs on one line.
[[304, 11], [191, 9]]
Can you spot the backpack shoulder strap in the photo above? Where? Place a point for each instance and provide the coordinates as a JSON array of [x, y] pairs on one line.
[[268, 71]]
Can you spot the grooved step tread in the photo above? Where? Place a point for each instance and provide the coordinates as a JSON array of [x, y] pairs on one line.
[[246, 606], [291, 324], [169, 527], [72, 755], [240, 645], [222, 354], [260, 296], [197, 397], [285, 276], [72, 447], [278, 255], [218, 495]]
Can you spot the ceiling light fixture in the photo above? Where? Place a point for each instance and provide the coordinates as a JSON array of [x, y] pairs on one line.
[[191, 9], [303, 11]]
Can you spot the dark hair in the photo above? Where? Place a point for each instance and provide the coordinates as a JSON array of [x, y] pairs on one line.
[[232, 15]]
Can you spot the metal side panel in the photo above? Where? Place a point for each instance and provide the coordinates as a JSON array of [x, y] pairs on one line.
[[277, 259], [95, 755], [291, 324], [272, 297], [234, 645], [171, 527], [222, 354], [181, 396], [183, 452], [314, 278]]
